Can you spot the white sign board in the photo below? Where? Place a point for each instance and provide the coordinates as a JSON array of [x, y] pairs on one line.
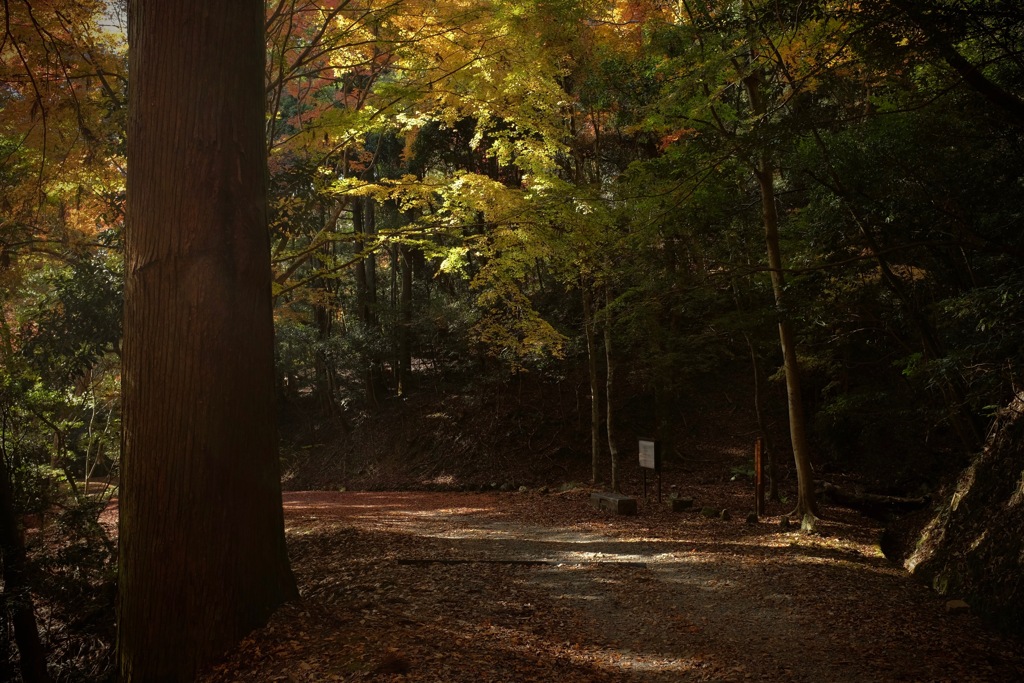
[[648, 454]]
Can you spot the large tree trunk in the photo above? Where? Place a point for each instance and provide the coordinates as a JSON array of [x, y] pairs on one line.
[[202, 552], [17, 599]]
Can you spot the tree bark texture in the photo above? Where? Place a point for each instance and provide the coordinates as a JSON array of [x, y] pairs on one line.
[[202, 552]]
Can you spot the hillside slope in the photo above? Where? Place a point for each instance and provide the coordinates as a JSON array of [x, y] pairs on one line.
[[973, 546], [526, 431]]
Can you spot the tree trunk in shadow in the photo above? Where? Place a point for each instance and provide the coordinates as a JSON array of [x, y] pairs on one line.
[[202, 555], [609, 387], [405, 319], [762, 423], [595, 389], [366, 299], [17, 597]]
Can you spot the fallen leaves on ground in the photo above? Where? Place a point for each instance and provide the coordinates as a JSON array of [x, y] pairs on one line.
[[531, 587]]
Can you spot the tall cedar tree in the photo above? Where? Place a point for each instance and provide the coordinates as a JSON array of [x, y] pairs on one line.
[[202, 552]]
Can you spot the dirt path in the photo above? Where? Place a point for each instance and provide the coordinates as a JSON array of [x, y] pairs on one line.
[[530, 587]]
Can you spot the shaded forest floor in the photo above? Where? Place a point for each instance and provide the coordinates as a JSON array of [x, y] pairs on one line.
[[420, 586]]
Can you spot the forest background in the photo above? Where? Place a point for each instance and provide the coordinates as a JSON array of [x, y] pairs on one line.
[[630, 202]]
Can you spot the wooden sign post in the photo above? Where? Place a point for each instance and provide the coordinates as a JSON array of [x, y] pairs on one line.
[[650, 459]]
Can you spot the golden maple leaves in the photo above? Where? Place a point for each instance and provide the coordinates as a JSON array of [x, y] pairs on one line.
[[62, 66]]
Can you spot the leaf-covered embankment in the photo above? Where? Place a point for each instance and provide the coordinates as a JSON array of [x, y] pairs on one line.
[[973, 548]]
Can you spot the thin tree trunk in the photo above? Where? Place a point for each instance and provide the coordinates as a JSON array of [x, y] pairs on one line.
[[363, 306], [405, 319], [202, 552], [17, 597], [374, 375], [393, 280], [762, 425], [609, 386], [370, 219], [325, 384], [953, 391], [323, 390], [595, 390], [764, 172], [666, 409], [806, 503]]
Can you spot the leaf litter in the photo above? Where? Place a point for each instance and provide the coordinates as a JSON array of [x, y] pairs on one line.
[[417, 586]]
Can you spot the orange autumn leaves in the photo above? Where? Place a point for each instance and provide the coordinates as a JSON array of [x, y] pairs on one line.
[[63, 74]]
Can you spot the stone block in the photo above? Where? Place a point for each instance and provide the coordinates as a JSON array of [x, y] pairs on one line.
[[614, 502]]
